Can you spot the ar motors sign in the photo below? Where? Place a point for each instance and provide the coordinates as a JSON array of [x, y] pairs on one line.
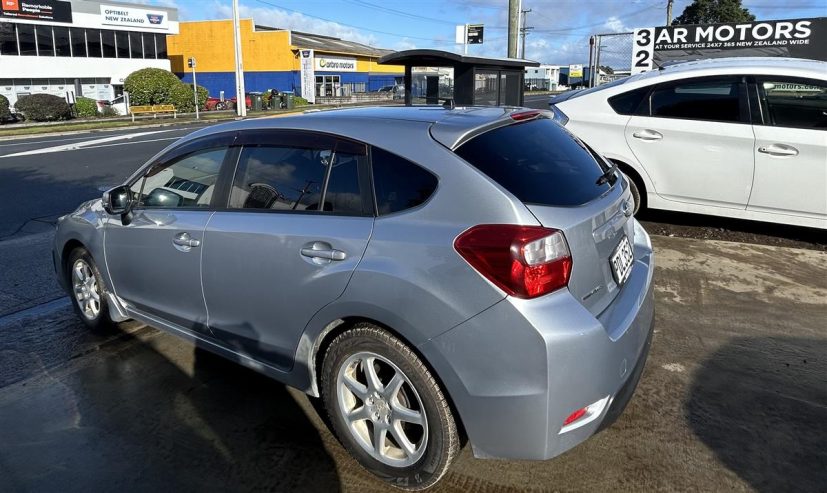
[[37, 10], [118, 15], [794, 38], [335, 64]]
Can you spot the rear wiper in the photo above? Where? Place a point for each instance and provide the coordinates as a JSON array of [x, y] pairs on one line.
[[609, 176]]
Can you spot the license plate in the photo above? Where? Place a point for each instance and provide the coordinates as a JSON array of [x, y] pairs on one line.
[[622, 260]]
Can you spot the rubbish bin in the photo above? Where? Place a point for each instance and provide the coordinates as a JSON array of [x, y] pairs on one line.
[[289, 100], [256, 102]]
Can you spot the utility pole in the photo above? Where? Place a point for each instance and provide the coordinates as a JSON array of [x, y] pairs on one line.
[[669, 12], [513, 26], [240, 97], [524, 31]]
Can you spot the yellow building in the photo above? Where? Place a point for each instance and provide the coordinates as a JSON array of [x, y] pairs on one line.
[[272, 60]]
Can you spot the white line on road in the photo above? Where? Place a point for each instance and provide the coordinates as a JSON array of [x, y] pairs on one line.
[[79, 145]]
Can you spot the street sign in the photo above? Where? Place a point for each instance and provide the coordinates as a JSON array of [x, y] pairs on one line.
[[474, 34], [575, 72]]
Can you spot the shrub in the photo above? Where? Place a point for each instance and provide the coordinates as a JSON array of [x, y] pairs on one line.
[[108, 111], [43, 107], [299, 101], [150, 86], [86, 108], [4, 108], [181, 96]]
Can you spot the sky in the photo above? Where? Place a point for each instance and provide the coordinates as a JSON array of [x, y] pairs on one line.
[[560, 35]]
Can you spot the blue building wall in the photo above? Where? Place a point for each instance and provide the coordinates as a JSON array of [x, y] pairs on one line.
[[215, 82]]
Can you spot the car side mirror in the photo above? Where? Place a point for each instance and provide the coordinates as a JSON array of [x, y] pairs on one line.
[[118, 201]]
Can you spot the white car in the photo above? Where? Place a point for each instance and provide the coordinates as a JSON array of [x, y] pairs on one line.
[[736, 137]]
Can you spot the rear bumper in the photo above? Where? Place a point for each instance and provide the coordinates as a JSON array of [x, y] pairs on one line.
[[516, 371]]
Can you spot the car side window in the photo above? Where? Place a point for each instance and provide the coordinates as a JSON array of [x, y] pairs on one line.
[[398, 183], [699, 99], [187, 181], [292, 178], [796, 103], [631, 102]]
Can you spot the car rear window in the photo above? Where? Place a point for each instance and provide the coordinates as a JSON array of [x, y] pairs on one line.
[[538, 162]]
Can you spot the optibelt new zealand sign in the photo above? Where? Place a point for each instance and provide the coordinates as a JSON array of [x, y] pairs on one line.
[[335, 64], [119, 15], [36, 10], [795, 38]]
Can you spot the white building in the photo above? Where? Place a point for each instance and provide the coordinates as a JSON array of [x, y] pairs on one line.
[[544, 77], [87, 47]]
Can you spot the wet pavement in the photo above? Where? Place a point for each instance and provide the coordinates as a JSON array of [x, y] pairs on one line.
[[733, 398]]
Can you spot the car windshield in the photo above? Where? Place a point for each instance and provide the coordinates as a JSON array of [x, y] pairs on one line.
[[537, 161]]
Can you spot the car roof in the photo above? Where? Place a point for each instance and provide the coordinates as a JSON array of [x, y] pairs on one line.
[[449, 126], [736, 64]]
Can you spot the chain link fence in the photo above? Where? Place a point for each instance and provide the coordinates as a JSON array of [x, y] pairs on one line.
[[611, 57]]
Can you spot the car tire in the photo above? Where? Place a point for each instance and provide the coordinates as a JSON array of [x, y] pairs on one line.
[[420, 436], [640, 201], [86, 289], [220, 106]]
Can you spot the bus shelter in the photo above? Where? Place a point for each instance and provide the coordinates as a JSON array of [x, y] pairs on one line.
[[434, 76]]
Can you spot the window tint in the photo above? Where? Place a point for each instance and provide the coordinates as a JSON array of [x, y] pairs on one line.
[[343, 194], [538, 162], [45, 45], [62, 41], [713, 100], [149, 45], [399, 184], [797, 103], [108, 43], [8, 39], [122, 44], [25, 32], [629, 103], [78, 42], [188, 181], [279, 178], [161, 46], [135, 48]]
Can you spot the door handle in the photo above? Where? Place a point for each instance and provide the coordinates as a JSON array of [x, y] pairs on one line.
[[321, 250], [184, 242], [779, 150], [647, 135]]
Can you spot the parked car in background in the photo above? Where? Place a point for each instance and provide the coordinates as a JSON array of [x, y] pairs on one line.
[[397, 90], [431, 273], [118, 104], [217, 104], [735, 137]]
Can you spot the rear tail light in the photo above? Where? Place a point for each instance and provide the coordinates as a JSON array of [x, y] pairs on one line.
[[524, 261], [525, 115], [575, 416]]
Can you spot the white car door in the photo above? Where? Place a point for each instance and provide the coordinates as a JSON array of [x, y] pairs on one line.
[[791, 148], [697, 145]]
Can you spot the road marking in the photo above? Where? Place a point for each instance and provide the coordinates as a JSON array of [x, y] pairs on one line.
[[84, 144]]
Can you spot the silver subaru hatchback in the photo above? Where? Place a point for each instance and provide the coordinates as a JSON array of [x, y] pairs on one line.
[[435, 275]]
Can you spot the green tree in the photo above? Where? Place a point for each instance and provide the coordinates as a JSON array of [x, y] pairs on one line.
[[150, 86], [181, 96], [714, 12], [4, 108], [85, 107]]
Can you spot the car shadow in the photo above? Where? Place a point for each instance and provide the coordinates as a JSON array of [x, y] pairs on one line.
[[147, 412], [760, 404]]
